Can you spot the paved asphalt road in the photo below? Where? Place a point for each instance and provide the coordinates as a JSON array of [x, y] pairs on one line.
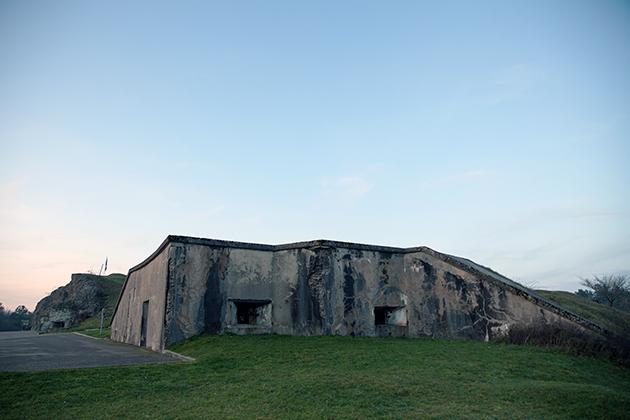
[[27, 351]]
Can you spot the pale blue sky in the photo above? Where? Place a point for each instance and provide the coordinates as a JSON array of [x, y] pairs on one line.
[[496, 131]]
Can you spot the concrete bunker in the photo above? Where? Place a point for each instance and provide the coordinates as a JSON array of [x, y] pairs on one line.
[[190, 286]]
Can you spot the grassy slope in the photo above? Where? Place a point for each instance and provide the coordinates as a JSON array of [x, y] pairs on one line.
[[330, 376], [610, 318], [111, 285]]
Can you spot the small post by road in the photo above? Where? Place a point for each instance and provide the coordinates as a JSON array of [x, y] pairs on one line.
[[102, 310]]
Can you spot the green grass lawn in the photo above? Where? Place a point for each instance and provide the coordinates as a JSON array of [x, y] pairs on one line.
[[271, 376]]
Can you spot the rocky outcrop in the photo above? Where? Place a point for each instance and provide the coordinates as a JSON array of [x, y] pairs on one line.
[[70, 305]]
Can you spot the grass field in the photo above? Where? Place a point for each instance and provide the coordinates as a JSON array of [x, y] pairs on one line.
[[271, 376]]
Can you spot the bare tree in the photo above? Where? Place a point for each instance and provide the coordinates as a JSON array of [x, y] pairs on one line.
[[610, 287]]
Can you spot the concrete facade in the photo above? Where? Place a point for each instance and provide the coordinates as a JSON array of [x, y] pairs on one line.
[[191, 286]]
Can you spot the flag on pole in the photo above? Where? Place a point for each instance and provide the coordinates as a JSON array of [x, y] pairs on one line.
[[105, 263]]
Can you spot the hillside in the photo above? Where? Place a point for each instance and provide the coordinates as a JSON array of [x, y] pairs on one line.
[[111, 285], [80, 300], [610, 318]]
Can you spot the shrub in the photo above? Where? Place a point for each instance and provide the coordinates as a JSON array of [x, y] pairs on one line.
[[571, 340]]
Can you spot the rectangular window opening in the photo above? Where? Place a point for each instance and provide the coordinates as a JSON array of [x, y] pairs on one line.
[[248, 313], [59, 324], [388, 315], [252, 312]]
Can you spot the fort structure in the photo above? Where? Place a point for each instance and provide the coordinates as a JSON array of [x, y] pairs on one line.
[[190, 286]]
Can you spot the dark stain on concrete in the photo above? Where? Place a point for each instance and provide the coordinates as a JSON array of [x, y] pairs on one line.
[[430, 276], [348, 289], [213, 298], [305, 304]]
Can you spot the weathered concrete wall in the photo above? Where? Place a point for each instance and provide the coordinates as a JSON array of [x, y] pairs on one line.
[[366, 280], [147, 284], [248, 278], [194, 298], [321, 287], [453, 303]]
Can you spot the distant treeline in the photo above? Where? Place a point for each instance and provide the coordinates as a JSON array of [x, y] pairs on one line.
[[622, 303], [14, 321]]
